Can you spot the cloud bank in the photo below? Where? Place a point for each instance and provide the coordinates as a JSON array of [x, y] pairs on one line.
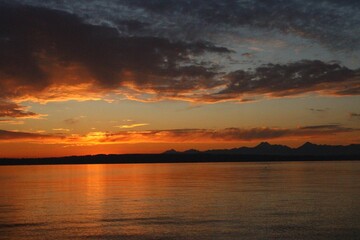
[[180, 135], [11, 136], [9, 109], [166, 50]]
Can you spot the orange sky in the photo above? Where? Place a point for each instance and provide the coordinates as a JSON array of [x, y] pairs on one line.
[[83, 82], [140, 142]]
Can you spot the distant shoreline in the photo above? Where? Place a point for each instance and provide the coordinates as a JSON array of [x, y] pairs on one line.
[[171, 158]]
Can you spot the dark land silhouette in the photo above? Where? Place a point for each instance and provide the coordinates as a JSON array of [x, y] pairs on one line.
[[264, 148], [260, 153]]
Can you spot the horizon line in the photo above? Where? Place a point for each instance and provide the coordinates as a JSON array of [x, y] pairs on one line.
[[184, 152]]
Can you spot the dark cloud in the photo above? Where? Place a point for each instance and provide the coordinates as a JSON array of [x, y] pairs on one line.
[[11, 135], [53, 54], [331, 22], [38, 40], [293, 79], [9, 109], [71, 121], [328, 127], [248, 55], [318, 109], [228, 134], [354, 115]]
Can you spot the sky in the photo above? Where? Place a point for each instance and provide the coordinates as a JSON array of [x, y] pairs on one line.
[[143, 76]]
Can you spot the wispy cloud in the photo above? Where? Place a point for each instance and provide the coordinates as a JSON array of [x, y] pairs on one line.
[[318, 110], [61, 129], [182, 135], [13, 136], [73, 120], [354, 115], [11, 122], [10, 109], [134, 125]]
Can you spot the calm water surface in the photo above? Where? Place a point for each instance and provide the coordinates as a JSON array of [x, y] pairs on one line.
[[300, 200]]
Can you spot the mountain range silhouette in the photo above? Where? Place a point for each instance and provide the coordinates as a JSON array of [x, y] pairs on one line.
[[260, 153], [265, 148]]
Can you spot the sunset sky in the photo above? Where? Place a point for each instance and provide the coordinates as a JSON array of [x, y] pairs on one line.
[[143, 76]]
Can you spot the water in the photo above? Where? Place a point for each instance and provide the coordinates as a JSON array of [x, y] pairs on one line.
[[299, 200]]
